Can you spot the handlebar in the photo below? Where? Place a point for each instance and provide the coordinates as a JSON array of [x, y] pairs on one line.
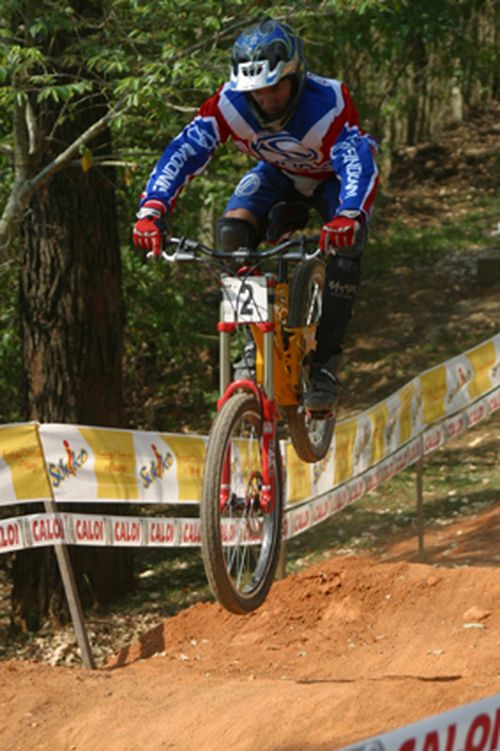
[[294, 249]]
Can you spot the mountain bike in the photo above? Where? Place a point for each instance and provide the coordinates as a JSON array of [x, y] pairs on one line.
[[241, 507]]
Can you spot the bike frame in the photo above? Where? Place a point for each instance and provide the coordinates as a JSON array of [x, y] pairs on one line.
[[264, 394], [188, 250]]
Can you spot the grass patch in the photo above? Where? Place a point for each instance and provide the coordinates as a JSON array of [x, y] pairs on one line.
[[402, 243]]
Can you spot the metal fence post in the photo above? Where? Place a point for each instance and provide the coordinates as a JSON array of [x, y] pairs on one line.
[[69, 582], [281, 567], [420, 506]]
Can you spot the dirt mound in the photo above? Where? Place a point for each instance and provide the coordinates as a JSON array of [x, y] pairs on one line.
[[341, 619], [351, 647]]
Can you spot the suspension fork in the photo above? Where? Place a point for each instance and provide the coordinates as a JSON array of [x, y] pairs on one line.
[[268, 405], [225, 330], [265, 396]]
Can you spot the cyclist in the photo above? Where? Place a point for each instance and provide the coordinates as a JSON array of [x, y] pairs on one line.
[[304, 132]]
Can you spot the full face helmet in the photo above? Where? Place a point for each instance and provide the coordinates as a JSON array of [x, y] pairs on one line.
[[263, 55]]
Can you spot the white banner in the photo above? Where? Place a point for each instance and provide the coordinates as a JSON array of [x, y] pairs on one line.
[[108, 465], [473, 727]]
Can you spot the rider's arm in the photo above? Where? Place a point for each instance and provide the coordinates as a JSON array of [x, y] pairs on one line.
[[187, 154], [352, 153]]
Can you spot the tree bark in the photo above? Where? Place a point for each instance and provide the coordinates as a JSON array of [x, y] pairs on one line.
[[72, 333]]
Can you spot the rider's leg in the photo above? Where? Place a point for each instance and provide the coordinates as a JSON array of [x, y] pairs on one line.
[[244, 223], [253, 198], [238, 228], [342, 280]]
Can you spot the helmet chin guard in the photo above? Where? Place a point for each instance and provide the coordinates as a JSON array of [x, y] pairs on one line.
[[263, 55]]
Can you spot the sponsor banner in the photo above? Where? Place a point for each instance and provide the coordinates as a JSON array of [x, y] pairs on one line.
[[38, 530], [22, 469], [436, 404], [493, 400], [44, 529], [101, 464], [301, 518], [127, 532], [76, 463], [472, 727], [477, 412], [433, 438], [11, 535]]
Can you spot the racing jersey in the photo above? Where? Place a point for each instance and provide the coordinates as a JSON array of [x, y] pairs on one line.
[[322, 139]]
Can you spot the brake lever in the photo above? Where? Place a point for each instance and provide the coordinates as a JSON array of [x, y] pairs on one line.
[[153, 257]]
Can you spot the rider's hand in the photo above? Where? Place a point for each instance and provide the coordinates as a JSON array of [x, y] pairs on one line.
[[149, 227], [341, 232]]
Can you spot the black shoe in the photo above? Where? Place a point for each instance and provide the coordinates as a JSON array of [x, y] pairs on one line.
[[323, 392], [244, 369]]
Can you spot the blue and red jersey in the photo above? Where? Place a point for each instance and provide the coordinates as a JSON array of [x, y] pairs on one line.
[[321, 140]]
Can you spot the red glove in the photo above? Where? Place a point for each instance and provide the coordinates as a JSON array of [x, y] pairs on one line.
[[341, 232], [149, 227]]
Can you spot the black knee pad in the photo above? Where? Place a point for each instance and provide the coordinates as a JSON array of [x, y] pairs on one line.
[[235, 233], [343, 275], [285, 217]]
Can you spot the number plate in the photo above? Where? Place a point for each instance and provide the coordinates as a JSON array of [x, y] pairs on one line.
[[245, 300]]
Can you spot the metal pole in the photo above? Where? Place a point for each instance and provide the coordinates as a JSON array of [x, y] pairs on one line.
[[281, 567], [69, 584], [420, 507], [71, 591]]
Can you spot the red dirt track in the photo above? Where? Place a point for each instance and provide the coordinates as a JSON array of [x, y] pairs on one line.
[[349, 648]]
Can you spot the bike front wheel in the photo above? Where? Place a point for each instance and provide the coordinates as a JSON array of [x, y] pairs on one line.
[[311, 437], [240, 541]]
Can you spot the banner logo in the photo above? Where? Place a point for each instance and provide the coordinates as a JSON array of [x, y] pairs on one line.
[[157, 467], [68, 466]]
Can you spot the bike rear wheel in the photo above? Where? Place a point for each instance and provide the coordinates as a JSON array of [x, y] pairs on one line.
[[311, 437], [240, 543]]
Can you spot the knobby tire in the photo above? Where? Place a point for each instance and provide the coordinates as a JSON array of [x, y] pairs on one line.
[[311, 438], [239, 590]]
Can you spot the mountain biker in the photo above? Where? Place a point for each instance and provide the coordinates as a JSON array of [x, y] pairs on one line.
[[304, 132]]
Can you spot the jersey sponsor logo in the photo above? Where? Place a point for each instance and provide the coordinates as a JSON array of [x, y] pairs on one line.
[[202, 136], [287, 152], [353, 167], [248, 185], [172, 168]]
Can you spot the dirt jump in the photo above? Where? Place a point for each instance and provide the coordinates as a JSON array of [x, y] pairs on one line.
[[351, 647]]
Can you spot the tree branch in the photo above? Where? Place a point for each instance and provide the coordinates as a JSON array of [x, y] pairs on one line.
[[24, 188]]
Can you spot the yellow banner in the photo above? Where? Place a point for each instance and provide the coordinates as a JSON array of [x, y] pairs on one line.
[[379, 418], [114, 463], [20, 450], [345, 438], [434, 390], [190, 456], [483, 360], [406, 397], [299, 481]]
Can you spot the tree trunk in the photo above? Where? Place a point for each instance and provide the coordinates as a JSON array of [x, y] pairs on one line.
[[72, 334], [418, 89]]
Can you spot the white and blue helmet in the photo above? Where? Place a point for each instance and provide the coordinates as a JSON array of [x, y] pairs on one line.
[[263, 55]]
